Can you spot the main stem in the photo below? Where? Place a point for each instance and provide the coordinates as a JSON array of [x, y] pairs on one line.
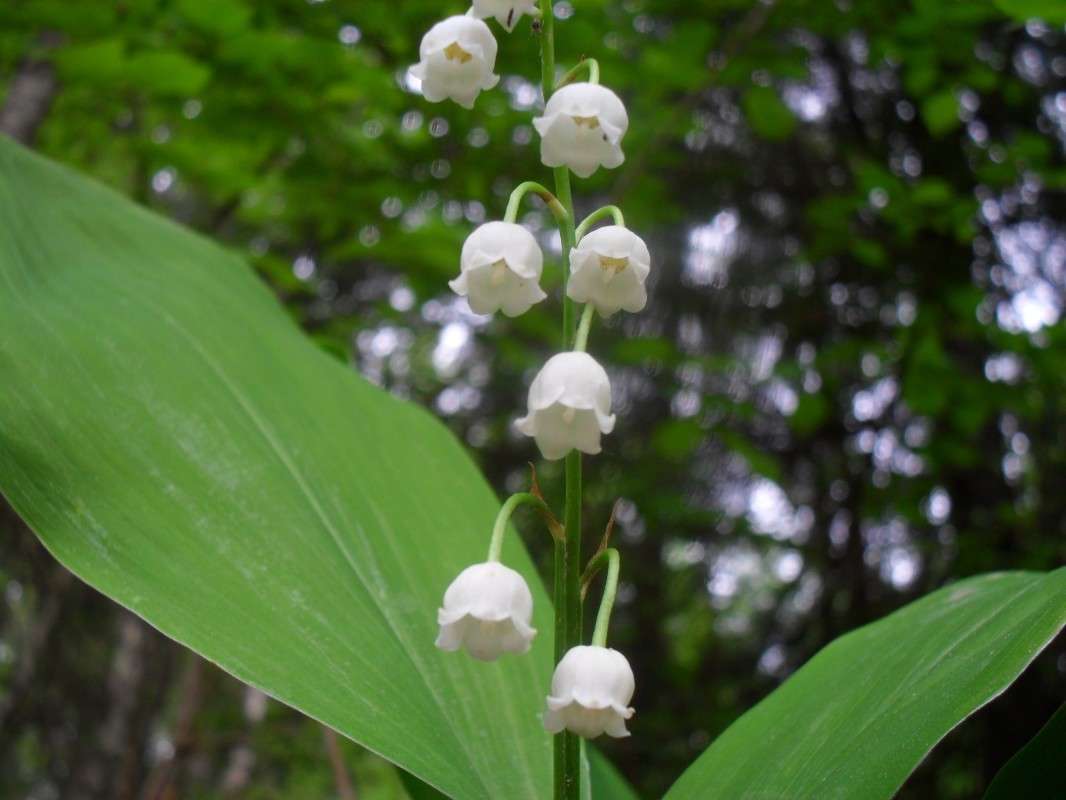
[[567, 585]]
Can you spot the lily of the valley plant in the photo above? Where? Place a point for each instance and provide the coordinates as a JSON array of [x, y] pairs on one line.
[[487, 609]]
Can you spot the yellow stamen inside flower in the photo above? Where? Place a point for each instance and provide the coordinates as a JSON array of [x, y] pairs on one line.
[[499, 272], [615, 265], [592, 123], [454, 52], [568, 415]]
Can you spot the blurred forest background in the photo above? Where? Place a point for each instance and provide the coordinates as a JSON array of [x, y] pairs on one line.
[[848, 387]]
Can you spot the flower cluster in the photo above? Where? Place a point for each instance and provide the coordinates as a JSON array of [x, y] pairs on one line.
[[488, 608]]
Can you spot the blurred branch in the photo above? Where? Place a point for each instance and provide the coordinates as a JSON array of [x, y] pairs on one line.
[[241, 760], [30, 93], [838, 61], [105, 771], [345, 789], [750, 25], [36, 641], [191, 692], [238, 773]]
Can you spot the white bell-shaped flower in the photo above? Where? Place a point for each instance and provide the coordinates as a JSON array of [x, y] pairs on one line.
[[608, 269], [499, 268], [569, 406], [456, 60], [487, 610], [507, 12], [590, 693], [582, 128]]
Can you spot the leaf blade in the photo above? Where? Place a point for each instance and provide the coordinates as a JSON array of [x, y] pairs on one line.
[[813, 729], [175, 441]]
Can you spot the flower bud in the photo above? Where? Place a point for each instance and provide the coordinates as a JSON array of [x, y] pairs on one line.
[[456, 60], [569, 406], [499, 268], [608, 268], [487, 610], [507, 12], [590, 693], [582, 128]]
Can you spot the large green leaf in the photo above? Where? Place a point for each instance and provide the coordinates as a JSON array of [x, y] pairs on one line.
[[859, 717], [174, 440]]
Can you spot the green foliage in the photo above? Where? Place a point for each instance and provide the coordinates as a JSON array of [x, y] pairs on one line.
[[167, 73], [767, 115], [677, 439], [102, 61], [861, 715], [760, 462], [941, 113], [218, 17], [1050, 11], [810, 413]]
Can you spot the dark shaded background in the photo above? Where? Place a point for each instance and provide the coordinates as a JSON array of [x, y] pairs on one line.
[[847, 389]]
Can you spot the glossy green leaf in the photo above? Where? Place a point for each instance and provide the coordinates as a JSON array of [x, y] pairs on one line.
[[1036, 772], [174, 439], [862, 714]]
